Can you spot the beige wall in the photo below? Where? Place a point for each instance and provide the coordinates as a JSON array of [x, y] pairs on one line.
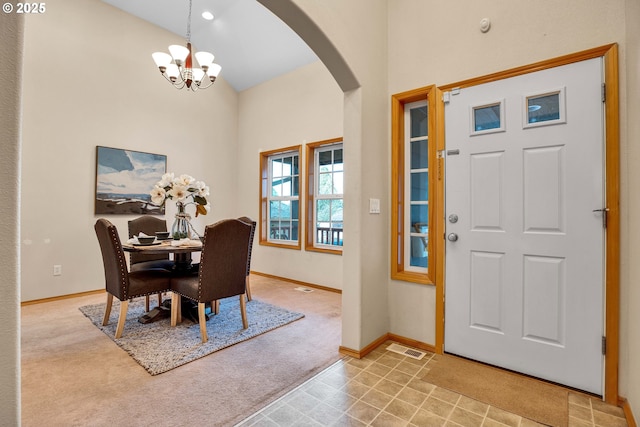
[[11, 39], [630, 203], [397, 45], [295, 109], [450, 50], [453, 49], [434, 42], [90, 80]]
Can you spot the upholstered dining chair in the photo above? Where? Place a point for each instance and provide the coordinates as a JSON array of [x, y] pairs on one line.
[[253, 232], [138, 261], [148, 225], [121, 283], [222, 272]]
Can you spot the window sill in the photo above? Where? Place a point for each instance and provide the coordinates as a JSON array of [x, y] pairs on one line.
[[323, 250], [295, 246], [408, 276]]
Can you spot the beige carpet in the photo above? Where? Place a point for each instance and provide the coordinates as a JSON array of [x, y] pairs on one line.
[[75, 375], [528, 397]]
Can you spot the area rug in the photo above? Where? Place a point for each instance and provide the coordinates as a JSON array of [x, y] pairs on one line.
[[528, 397], [158, 347]]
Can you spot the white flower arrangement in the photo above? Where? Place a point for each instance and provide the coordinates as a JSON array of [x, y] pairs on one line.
[[180, 189]]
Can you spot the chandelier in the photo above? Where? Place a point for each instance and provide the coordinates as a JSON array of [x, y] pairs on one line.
[[178, 67]]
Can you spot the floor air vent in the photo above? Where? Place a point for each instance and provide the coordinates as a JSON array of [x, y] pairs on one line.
[[406, 351]]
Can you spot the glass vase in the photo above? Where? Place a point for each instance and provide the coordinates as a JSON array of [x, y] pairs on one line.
[[181, 228]]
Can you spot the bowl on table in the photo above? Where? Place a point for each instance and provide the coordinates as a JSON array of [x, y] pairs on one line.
[[146, 240], [162, 235]]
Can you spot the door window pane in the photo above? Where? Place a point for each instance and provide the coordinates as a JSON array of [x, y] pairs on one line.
[[419, 154], [544, 108], [485, 118]]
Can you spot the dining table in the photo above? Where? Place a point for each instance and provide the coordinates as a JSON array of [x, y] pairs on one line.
[[181, 250]]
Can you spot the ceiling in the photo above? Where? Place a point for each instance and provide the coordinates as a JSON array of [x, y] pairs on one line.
[[250, 43]]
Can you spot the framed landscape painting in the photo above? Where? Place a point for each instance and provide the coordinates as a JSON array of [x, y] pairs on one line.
[[124, 179]]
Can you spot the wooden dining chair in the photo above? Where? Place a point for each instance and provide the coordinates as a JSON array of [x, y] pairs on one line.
[[222, 272], [253, 232], [139, 261], [121, 283]]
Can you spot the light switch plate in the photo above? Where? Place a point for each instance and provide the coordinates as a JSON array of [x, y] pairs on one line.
[[374, 206]]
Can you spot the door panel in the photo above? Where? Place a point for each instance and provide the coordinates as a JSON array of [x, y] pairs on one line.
[[524, 280]]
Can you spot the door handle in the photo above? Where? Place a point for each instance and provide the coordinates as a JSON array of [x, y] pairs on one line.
[[452, 237]]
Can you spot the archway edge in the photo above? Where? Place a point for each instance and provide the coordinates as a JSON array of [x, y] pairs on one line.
[[292, 15]]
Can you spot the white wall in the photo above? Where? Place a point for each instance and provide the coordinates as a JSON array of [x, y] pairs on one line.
[[300, 107], [89, 80]]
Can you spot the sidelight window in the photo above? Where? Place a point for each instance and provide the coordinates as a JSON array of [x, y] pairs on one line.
[[413, 161]]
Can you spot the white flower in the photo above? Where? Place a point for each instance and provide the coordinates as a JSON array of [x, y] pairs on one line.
[[202, 189], [158, 195], [178, 192], [184, 180], [166, 180]]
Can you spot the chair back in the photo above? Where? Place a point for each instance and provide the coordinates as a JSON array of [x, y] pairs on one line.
[[148, 225], [223, 262], [253, 232], [116, 274]]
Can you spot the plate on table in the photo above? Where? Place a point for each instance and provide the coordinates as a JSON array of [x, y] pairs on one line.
[[146, 244]]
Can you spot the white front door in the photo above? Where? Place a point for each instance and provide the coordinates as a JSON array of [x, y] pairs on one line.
[[524, 185]]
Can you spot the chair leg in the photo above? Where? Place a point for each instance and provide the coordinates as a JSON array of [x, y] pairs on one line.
[[124, 305], [107, 310], [248, 288], [243, 311], [146, 303], [176, 314], [202, 320]]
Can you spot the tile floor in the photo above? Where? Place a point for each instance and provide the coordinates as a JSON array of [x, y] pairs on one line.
[[385, 389]]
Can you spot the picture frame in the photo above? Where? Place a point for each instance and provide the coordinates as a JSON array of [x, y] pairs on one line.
[[124, 180]]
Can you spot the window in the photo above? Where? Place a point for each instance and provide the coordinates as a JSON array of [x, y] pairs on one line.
[[487, 118], [414, 160], [279, 196], [325, 171], [544, 109]]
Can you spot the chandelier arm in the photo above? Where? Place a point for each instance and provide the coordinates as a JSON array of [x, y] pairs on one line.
[[200, 86]]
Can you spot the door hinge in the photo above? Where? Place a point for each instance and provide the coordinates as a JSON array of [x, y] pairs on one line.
[[604, 92], [605, 212], [604, 346]]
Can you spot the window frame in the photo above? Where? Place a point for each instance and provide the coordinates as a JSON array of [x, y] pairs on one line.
[[310, 197], [399, 230], [265, 198]]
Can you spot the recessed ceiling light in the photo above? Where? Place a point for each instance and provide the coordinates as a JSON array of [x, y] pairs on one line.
[[207, 15]]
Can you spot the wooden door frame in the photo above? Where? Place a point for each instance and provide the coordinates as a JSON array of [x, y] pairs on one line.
[[612, 188]]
